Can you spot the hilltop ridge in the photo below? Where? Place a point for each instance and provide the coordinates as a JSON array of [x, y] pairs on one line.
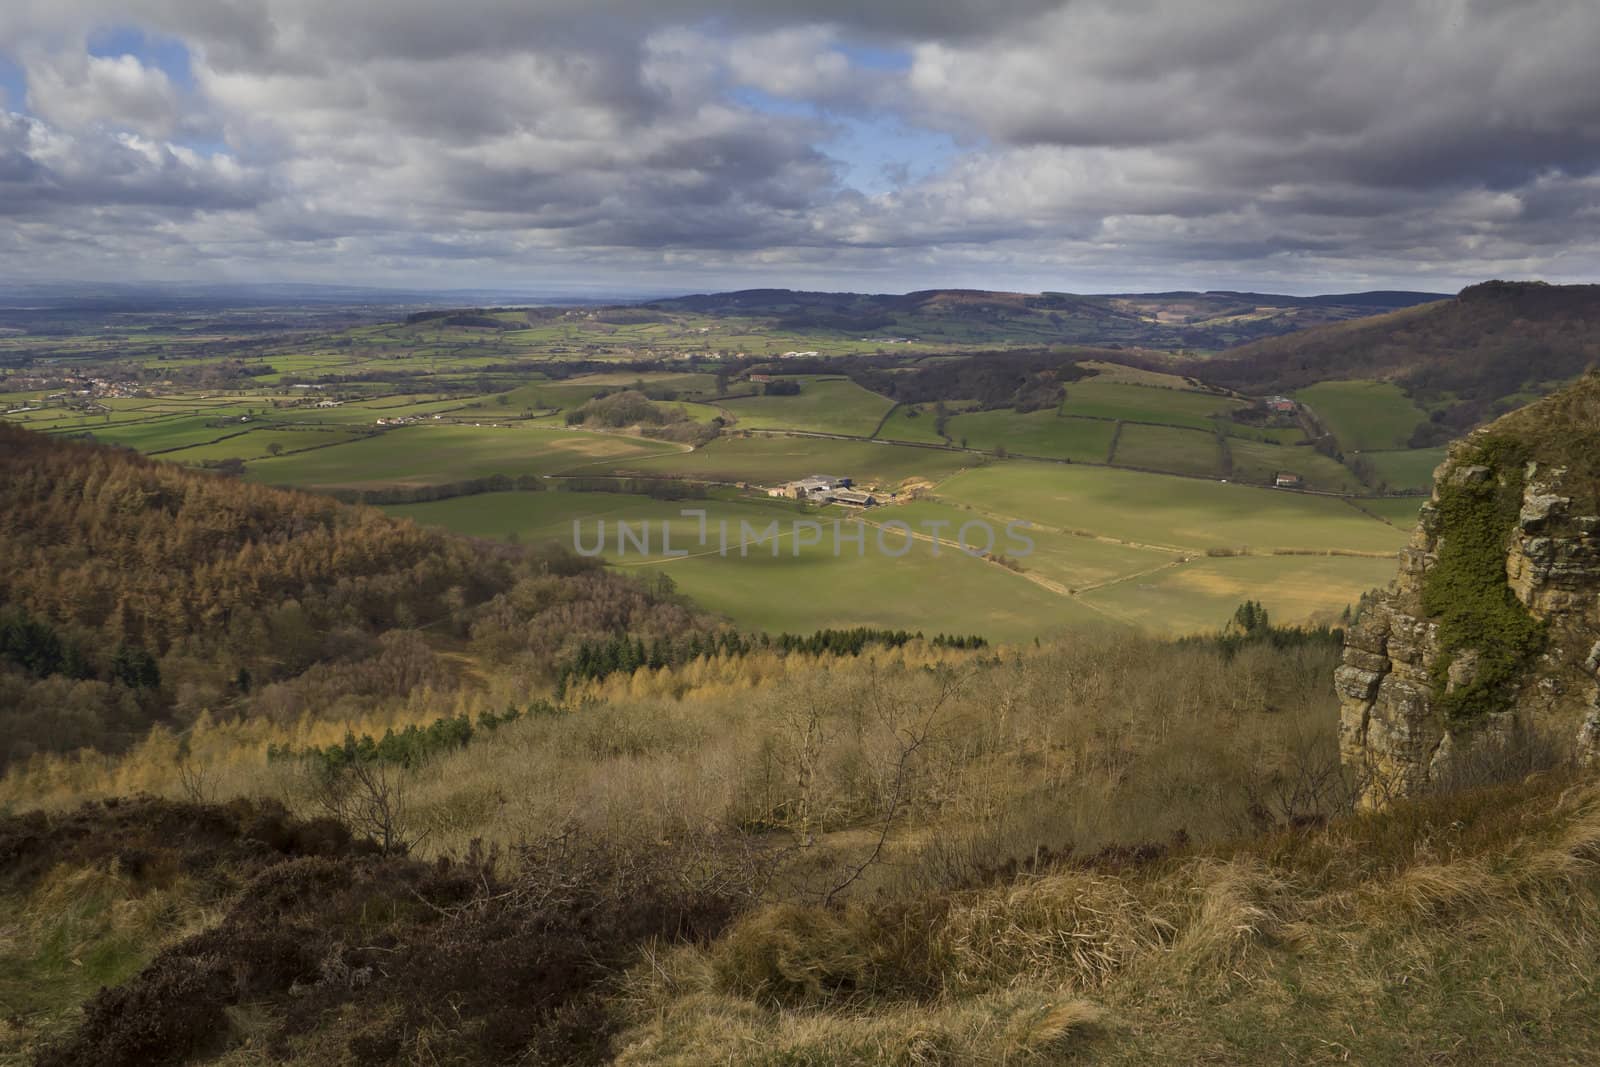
[[1170, 320], [1493, 346]]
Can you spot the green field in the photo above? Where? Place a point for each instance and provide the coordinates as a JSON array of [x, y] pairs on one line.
[[1257, 463], [1187, 514], [1364, 415], [1401, 511], [913, 422], [1108, 543], [1036, 433], [1066, 579], [1202, 594], [433, 454], [1141, 403], [824, 405], [1168, 448], [1074, 561], [167, 433], [1407, 469], [769, 460], [256, 444], [821, 585], [573, 392]]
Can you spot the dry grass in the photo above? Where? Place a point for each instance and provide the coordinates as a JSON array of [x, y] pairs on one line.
[[1036, 901], [1459, 930], [1096, 742], [76, 930], [1072, 928]]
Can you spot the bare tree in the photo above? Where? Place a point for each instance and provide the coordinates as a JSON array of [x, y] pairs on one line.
[[911, 725], [808, 733], [198, 782], [369, 798]]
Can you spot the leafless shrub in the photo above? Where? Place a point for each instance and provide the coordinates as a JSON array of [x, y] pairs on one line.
[[197, 781], [1306, 785], [1491, 760], [368, 797], [910, 725]]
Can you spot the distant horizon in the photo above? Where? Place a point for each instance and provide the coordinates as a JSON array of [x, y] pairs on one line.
[[63, 289]]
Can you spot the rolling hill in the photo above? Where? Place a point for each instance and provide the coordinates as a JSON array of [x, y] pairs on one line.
[[1491, 348], [1176, 320]]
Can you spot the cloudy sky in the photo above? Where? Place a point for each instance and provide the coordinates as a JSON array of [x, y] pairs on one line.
[[670, 145]]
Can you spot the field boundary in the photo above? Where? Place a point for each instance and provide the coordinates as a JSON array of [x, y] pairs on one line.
[[893, 407]]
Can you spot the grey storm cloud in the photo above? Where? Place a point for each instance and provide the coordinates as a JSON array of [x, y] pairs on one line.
[[1388, 141], [43, 171]]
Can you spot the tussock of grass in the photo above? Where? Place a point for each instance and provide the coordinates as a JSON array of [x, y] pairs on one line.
[[1076, 928], [1013, 1027], [1457, 929], [78, 929], [1236, 907]]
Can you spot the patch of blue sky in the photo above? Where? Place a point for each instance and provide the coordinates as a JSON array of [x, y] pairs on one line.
[[153, 50], [881, 153], [171, 56], [13, 85], [872, 57], [773, 105], [878, 151]]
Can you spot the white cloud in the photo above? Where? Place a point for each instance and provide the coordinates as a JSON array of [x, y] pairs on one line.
[[1158, 139], [75, 90]]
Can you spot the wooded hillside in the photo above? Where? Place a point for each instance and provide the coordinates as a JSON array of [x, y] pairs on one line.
[[1469, 359], [133, 591]]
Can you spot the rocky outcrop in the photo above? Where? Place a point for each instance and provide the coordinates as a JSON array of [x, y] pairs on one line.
[[1427, 684]]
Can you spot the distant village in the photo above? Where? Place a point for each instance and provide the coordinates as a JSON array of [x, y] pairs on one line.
[[81, 391]]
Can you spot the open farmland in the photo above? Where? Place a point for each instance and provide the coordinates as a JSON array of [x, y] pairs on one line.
[[764, 581], [1257, 462], [770, 459], [1168, 448], [1073, 561], [1187, 514], [913, 422], [1400, 511], [824, 405], [1364, 415], [1142, 403], [433, 454], [1046, 434], [1410, 468], [1200, 593], [259, 444], [162, 434], [1110, 543]]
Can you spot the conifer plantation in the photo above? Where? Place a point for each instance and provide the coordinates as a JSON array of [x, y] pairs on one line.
[[134, 592]]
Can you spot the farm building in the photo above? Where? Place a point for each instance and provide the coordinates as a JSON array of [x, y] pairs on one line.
[[1288, 480], [853, 497], [813, 487], [1282, 405]]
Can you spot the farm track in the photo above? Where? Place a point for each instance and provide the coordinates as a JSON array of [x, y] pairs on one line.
[[1047, 584]]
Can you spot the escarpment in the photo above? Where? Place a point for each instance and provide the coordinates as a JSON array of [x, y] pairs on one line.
[[1488, 641]]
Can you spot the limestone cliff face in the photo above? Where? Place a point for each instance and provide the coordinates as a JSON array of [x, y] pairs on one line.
[[1416, 654]]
